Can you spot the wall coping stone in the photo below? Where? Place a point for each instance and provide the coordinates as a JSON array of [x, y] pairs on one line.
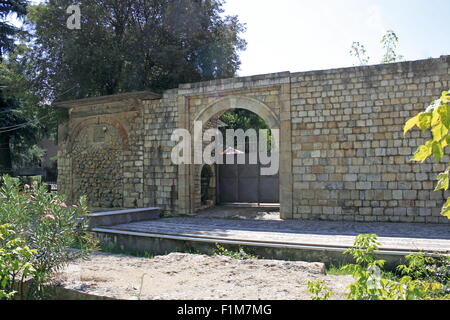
[[141, 95]]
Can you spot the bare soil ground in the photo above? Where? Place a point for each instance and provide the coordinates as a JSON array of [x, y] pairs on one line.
[[193, 276]]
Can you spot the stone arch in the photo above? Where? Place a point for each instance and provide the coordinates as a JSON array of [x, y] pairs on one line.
[[277, 115], [213, 111], [96, 121], [233, 102]]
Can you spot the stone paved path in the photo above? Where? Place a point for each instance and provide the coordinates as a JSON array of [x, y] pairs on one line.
[[393, 236]]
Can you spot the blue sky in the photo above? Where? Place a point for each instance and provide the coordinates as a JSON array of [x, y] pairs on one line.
[[302, 35]]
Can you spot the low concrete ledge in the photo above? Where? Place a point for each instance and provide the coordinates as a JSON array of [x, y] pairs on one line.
[[110, 218], [160, 244]]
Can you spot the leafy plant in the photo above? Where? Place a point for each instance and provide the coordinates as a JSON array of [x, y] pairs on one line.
[[240, 255], [46, 224], [359, 51], [390, 42], [422, 278], [427, 268], [372, 284], [436, 118], [15, 262], [336, 270], [367, 270], [319, 290]]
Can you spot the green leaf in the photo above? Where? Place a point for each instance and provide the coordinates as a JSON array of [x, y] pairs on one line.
[[444, 112], [435, 119], [438, 151], [445, 98], [439, 132], [446, 209], [443, 181], [411, 123], [423, 152], [425, 120]]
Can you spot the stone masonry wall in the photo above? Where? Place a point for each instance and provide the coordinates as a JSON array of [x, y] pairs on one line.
[[350, 158], [160, 175], [343, 153], [101, 154]]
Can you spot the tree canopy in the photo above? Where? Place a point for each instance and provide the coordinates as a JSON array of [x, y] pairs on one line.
[[122, 46], [13, 132], [7, 30], [130, 45]]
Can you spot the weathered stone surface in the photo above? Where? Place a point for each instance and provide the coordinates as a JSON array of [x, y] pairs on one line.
[[343, 153]]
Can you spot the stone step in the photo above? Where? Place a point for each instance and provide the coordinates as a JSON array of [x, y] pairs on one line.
[[115, 217]]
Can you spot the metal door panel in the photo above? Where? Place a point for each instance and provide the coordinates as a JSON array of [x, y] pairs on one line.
[[268, 189], [243, 183]]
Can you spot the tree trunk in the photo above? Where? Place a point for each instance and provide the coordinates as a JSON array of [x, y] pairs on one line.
[[5, 153]]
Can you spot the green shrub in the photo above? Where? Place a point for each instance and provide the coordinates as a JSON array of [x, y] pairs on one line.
[[239, 255], [435, 269], [319, 290], [436, 118], [372, 284], [422, 278], [15, 262], [46, 224]]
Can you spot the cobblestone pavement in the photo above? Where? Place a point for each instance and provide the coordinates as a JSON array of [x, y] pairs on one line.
[[401, 236]]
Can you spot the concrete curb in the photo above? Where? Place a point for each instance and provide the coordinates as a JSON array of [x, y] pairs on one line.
[[160, 244]]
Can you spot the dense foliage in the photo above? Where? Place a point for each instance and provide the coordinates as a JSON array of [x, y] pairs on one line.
[[422, 278], [8, 30], [122, 46], [436, 118], [131, 45], [15, 262], [12, 132], [435, 269], [371, 284], [23, 119], [45, 224], [243, 119]]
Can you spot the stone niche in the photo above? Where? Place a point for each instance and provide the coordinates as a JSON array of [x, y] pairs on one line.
[[97, 157]]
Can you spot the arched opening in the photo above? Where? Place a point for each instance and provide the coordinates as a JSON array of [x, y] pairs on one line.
[[189, 174], [243, 183], [238, 185]]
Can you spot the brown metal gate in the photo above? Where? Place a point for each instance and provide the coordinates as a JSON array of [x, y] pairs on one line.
[[243, 183]]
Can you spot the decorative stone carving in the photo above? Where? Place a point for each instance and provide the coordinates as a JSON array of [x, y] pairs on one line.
[[97, 137]]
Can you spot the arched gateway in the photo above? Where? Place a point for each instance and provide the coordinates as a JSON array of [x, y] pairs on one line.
[[270, 101], [234, 183], [343, 155]]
